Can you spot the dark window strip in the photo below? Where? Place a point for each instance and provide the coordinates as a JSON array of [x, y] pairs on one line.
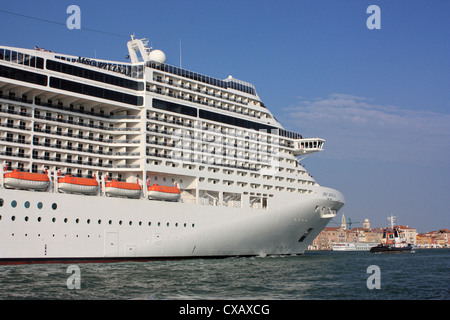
[[94, 75], [22, 75], [95, 91]]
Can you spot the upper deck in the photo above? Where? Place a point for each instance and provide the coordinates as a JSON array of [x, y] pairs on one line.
[[228, 105]]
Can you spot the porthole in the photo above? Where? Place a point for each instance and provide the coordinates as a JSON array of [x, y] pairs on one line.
[[159, 224], [39, 219], [120, 222], [53, 219], [77, 220], [185, 225], [176, 224], [130, 223], [13, 218], [193, 225], [27, 204], [40, 205], [1, 202], [149, 223], [26, 218], [99, 221], [13, 203], [88, 221], [110, 221], [167, 224], [65, 220], [54, 206]]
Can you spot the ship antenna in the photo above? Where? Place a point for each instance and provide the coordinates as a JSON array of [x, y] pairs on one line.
[[181, 66], [391, 219]]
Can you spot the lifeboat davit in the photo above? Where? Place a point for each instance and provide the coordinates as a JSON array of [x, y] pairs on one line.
[[123, 189], [71, 184], [158, 192], [26, 180]]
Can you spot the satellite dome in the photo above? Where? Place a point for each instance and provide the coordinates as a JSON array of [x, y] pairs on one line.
[[157, 55]]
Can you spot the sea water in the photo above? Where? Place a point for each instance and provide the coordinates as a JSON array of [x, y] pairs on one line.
[[324, 275]]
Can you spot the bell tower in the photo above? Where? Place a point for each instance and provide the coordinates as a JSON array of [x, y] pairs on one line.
[[343, 223]]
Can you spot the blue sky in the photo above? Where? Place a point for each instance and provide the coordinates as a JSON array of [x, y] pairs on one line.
[[380, 98]]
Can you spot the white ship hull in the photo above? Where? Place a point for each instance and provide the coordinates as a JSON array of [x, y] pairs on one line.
[[102, 230]]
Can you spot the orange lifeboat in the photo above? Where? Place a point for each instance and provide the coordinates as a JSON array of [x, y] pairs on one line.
[[157, 192], [26, 180], [123, 189], [71, 184]]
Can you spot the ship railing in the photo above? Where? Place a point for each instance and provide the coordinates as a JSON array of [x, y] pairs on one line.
[[62, 119], [78, 149], [13, 98], [91, 113], [206, 92], [14, 154], [127, 166], [12, 126], [19, 113], [9, 139]]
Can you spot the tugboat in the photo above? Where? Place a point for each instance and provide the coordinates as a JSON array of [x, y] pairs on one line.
[[392, 240]]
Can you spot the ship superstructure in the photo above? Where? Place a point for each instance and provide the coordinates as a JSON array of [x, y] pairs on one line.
[[146, 160]]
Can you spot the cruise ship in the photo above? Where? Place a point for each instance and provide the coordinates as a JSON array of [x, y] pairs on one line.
[[107, 161]]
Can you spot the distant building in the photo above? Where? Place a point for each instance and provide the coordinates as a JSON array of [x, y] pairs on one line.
[[331, 235], [409, 234], [343, 223], [374, 235], [439, 238], [424, 240], [328, 237], [366, 224]]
